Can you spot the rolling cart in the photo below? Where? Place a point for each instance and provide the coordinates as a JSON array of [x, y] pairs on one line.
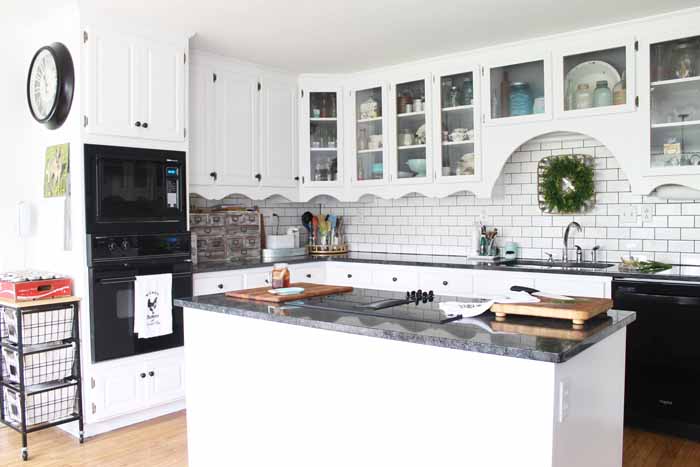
[[40, 378]]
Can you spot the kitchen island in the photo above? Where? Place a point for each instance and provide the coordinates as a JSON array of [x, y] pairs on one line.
[[301, 385]]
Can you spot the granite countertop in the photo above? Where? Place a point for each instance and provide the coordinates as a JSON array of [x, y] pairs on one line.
[[547, 340], [677, 272]]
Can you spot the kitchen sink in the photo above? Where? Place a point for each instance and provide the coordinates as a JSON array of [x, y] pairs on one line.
[[544, 264]]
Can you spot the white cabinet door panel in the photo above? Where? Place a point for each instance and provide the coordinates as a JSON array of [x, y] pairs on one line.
[[279, 156], [112, 79], [236, 144], [166, 380], [162, 94], [314, 273], [398, 279], [489, 283], [257, 279], [118, 390], [202, 160], [352, 275]]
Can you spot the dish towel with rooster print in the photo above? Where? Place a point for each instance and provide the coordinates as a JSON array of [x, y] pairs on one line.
[[153, 305]]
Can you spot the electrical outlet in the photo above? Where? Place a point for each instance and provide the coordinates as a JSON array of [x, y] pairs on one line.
[[564, 400], [629, 216], [647, 213]]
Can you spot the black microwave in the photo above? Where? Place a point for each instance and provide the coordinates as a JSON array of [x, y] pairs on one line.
[[132, 190]]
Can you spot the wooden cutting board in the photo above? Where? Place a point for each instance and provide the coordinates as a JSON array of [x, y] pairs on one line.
[[262, 294], [578, 310]]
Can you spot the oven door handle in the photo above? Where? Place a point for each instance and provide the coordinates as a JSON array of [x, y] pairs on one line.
[[129, 279]]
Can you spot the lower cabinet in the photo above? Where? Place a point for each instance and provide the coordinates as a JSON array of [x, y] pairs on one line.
[[212, 283], [490, 283], [314, 273], [135, 384], [581, 286], [350, 274], [400, 279], [457, 282]]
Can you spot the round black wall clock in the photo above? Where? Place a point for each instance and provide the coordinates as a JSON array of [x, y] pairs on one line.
[[50, 85]]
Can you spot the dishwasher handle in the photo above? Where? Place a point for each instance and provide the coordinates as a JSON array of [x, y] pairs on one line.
[[622, 293]]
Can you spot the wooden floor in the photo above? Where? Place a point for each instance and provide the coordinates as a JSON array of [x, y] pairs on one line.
[[163, 443]]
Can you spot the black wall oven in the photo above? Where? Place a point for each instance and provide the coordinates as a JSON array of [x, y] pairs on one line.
[[115, 261], [131, 190]]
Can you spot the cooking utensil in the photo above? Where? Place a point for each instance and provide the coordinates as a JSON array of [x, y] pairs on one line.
[[277, 225], [537, 293]]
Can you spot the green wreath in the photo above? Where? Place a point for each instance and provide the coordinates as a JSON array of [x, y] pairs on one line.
[[567, 184]]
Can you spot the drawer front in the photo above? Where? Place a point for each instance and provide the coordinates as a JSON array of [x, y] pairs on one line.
[[447, 282], [257, 279], [488, 284], [212, 285], [210, 231], [580, 287], [342, 274], [197, 220], [217, 220], [395, 279], [313, 274]]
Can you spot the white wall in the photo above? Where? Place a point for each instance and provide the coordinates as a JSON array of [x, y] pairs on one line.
[[25, 142]]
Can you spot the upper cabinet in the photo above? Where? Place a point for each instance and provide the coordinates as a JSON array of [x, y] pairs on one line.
[[411, 156], [596, 77], [369, 129], [135, 87], [457, 124], [243, 130], [321, 137], [518, 90]]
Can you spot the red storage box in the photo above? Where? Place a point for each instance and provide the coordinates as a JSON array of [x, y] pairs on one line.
[[29, 285]]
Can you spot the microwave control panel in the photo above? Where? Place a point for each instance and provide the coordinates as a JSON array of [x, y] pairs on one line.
[[172, 188]]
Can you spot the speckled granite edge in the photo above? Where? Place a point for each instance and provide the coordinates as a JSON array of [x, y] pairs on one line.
[[404, 336], [456, 262]]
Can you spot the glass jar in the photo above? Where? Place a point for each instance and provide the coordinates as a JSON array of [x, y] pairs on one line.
[[683, 60], [468, 91], [453, 100], [602, 96], [619, 93], [584, 97], [280, 276], [520, 99]]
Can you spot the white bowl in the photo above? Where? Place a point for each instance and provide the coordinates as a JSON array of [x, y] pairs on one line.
[[417, 165]]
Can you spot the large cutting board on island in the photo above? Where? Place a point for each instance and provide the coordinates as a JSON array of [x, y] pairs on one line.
[[579, 310], [262, 294]]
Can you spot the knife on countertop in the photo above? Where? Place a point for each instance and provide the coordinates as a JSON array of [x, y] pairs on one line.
[[537, 293]]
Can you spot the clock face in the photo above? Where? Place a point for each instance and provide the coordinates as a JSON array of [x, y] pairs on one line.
[[43, 85]]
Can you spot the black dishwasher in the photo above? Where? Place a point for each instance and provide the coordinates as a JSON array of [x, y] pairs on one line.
[[662, 387]]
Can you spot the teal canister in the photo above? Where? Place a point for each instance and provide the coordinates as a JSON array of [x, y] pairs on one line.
[[520, 99], [510, 251], [602, 95]]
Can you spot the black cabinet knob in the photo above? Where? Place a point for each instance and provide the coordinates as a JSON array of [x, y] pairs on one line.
[[394, 279], [151, 373], [296, 179], [309, 276], [444, 282], [137, 124], [213, 175], [143, 375], [258, 176], [221, 286], [267, 281], [145, 125], [349, 276]]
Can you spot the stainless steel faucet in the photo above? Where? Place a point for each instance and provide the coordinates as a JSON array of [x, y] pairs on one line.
[[565, 256]]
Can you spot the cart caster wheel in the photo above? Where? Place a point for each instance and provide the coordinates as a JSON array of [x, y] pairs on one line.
[[25, 455], [82, 439]]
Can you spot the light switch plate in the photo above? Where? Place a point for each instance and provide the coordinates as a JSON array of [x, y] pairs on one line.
[[629, 216]]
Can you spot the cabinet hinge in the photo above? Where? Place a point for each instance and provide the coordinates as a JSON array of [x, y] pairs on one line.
[[94, 408], [184, 58], [213, 77], [85, 120], [303, 180], [482, 71], [259, 86], [184, 132], [636, 101], [483, 118], [85, 36], [636, 46], [92, 383], [433, 78], [302, 93]]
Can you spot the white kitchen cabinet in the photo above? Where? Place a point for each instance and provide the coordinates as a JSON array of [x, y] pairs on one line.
[[457, 124], [411, 131], [350, 274], [212, 283], [258, 278], [490, 283], [279, 157], [135, 87], [310, 272], [133, 384], [580, 286], [513, 86], [446, 281], [368, 107], [584, 63], [321, 137]]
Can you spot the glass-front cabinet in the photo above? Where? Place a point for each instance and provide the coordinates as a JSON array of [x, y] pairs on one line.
[[322, 140], [369, 136], [674, 75], [412, 151], [592, 80], [457, 125], [518, 91]]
